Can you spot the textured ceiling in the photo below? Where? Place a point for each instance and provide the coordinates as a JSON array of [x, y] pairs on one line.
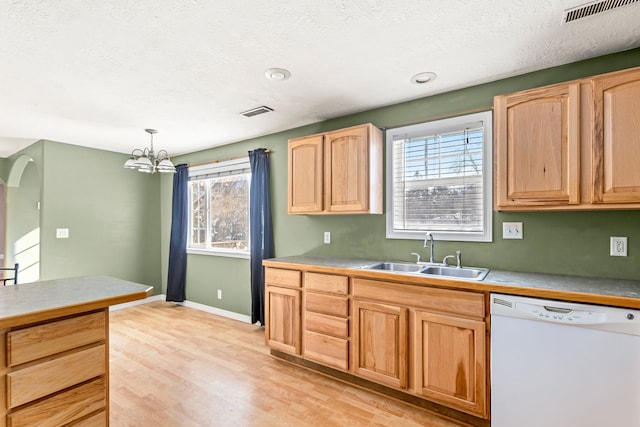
[[96, 73]]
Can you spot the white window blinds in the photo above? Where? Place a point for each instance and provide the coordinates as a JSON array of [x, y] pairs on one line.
[[438, 178]]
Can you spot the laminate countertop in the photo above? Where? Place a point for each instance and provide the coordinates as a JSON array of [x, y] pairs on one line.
[[604, 291], [40, 301]]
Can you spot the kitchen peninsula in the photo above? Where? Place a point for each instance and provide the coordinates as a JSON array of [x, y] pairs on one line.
[[54, 349]]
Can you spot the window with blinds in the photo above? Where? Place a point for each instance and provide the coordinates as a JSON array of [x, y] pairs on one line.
[[219, 208], [439, 179]]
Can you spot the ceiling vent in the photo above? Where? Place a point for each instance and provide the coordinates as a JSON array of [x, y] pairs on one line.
[[593, 8], [257, 111]]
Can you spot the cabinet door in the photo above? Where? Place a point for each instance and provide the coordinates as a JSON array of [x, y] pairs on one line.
[[305, 175], [450, 361], [616, 141], [282, 323], [537, 147], [380, 343], [347, 170]]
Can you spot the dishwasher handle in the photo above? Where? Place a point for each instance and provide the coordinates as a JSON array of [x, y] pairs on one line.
[[557, 309]]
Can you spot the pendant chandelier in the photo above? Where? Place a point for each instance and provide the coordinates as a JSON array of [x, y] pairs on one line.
[[147, 160]]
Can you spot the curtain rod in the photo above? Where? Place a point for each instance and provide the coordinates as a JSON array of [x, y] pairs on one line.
[[441, 116], [224, 159]]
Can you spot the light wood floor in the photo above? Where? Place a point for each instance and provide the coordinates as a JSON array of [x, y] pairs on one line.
[[177, 366]]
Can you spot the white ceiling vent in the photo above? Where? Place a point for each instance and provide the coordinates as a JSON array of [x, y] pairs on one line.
[[593, 8], [257, 111]]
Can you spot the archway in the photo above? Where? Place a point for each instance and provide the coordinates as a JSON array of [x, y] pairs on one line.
[[22, 233]]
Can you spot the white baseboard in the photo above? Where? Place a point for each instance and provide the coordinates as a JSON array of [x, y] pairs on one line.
[[202, 307]]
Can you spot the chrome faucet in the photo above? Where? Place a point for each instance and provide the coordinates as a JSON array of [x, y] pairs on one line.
[[428, 242], [419, 260]]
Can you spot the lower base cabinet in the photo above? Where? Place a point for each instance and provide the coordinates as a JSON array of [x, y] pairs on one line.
[[449, 361], [56, 373], [380, 343], [426, 342], [283, 311]]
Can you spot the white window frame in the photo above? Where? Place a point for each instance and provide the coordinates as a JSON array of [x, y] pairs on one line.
[[431, 128], [201, 172]]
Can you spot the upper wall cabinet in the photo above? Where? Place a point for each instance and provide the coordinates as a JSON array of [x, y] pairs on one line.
[[338, 172], [570, 146], [538, 147], [616, 138]]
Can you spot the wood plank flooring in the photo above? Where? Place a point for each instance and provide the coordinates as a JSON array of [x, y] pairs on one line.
[[172, 365]]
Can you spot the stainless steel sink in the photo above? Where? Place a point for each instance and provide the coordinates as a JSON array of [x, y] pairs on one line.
[[460, 273], [406, 267]]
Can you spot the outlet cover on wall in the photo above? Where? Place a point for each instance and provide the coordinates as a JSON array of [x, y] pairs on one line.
[[618, 246], [512, 230], [327, 237], [62, 233]]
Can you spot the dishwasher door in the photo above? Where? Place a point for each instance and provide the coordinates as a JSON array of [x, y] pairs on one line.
[[559, 364]]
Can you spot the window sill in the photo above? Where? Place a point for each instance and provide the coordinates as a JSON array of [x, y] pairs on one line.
[[214, 252]]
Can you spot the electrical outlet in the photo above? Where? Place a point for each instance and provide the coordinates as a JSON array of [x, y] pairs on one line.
[[62, 233], [512, 230], [219, 293], [618, 246], [327, 237]]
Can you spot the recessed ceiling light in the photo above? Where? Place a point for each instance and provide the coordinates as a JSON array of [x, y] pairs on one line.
[[422, 78], [277, 74]]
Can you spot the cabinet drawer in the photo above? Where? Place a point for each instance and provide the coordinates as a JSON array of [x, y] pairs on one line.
[[327, 304], [62, 408], [324, 324], [280, 277], [98, 420], [327, 350], [31, 383], [326, 283], [25, 345]]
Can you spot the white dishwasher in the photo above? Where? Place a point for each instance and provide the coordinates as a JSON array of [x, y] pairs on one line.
[[561, 364]]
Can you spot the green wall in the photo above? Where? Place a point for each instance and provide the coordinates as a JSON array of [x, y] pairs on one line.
[[112, 214], [554, 242]]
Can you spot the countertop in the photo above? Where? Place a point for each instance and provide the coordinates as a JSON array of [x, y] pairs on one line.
[[39, 301], [606, 291]]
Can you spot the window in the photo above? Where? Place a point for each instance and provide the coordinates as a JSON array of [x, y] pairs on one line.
[[439, 179], [219, 208]]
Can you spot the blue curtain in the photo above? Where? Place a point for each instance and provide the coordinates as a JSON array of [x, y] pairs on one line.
[[177, 277], [260, 229]]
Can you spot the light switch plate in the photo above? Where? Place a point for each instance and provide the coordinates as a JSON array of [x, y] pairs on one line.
[[62, 233], [512, 230]]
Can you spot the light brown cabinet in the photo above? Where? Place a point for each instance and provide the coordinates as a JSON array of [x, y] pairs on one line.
[[537, 147], [282, 309], [56, 373], [450, 360], [380, 340], [616, 138], [338, 172], [326, 320], [569, 146], [430, 341]]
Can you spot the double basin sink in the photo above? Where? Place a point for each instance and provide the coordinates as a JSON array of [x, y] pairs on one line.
[[467, 273]]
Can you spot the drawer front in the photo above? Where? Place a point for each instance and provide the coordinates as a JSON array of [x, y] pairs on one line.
[[327, 350], [433, 299], [326, 283], [25, 345], [327, 304], [34, 382], [280, 277], [324, 324], [98, 420], [63, 408]]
